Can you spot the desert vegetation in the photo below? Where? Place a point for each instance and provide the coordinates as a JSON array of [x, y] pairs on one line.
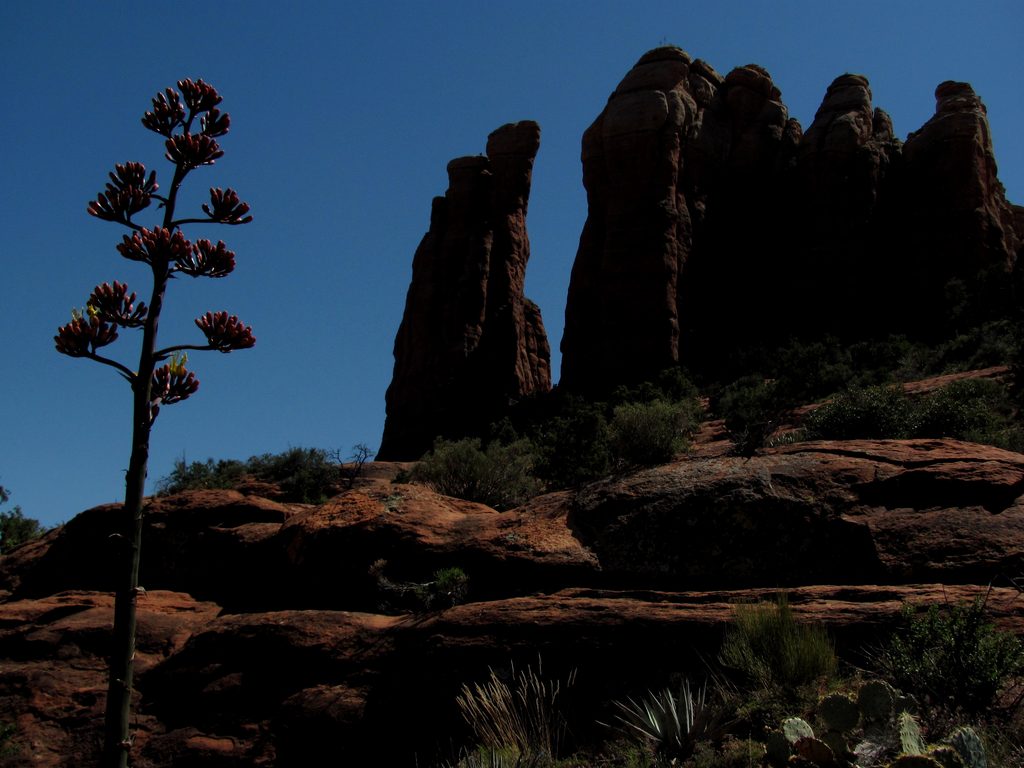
[[189, 122], [15, 527], [944, 689]]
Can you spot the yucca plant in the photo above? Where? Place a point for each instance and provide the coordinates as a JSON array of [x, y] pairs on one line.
[[673, 721]]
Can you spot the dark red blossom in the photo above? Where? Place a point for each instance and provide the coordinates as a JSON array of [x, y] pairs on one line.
[[113, 304], [225, 333], [172, 384], [84, 335], [226, 207], [127, 193], [199, 96], [159, 246], [215, 122], [205, 259], [191, 150], [167, 114]]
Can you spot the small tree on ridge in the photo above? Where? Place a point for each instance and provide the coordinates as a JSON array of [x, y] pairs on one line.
[[112, 307]]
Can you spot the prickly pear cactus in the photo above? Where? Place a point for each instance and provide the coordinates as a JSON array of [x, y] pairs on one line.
[[839, 712], [814, 750], [946, 756], [967, 742], [911, 742], [836, 741], [794, 729], [875, 701]]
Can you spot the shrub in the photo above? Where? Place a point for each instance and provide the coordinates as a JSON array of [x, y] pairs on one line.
[[573, 446], [752, 409], [870, 413], [972, 409], [649, 433], [449, 587], [767, 646], [955, 657], [200, 475], [523, 715], [305, 475], [500, 476], [15, 528]]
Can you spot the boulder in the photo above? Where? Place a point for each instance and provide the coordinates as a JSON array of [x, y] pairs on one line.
[[53, 680], [212, 544], [852, 512], [470, 343]]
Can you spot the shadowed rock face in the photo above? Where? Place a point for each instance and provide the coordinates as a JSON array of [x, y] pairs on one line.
[[714, 222], [601, 579], [470, 343]]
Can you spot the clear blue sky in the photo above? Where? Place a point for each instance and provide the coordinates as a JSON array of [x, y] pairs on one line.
[[344, 115]]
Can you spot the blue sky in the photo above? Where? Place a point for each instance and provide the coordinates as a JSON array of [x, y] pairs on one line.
[[344, 116]]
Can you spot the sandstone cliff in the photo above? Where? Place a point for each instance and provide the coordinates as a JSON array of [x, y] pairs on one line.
[[715, 222], [470, 343]]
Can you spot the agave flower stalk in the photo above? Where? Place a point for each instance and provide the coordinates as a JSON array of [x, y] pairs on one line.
[[111, 308]]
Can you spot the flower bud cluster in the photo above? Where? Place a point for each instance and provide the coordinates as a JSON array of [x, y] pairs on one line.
[[167, 114], [226, 207], [205, 259], [225, 333], [127, 193], [156, 247], [113, 304], [190, 150], [84, 335], [171, 384]]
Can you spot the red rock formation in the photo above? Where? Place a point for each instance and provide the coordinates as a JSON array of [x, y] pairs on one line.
[[287, 687], [470, 343], [956, 228], [715, 224], [673, 138]]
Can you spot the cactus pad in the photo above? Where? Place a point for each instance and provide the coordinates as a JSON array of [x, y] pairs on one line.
[[795, 729], [946, 756], [839, 712], [967, 742], [814, 750], [875, 700]]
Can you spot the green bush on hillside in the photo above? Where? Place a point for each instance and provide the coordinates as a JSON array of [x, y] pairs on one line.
[[500, 476], [752, 408], [574, 445], [953, 656], [305, 475], [768, 647], [649, 433], [978, 410], [869, 413], [15, 528]]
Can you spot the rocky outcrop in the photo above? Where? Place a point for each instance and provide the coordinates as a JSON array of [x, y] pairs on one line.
[[715, 223], [604, 579], [287, 687], [470, 343]]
